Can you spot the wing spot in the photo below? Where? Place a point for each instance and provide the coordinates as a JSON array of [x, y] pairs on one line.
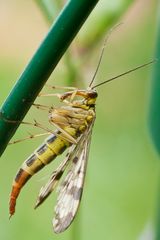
[[75, 160], [76, 192], [59, 174], [63, 223]]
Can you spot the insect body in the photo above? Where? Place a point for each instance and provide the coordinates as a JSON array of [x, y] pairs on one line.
[[74, 123]]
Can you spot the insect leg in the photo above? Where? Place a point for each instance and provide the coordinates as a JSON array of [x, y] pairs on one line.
[[60, 87], [49, 95], [58, 95], [41, 107], [73, 95], [31, 136], [35, 124], [74, 89], [38, 125]]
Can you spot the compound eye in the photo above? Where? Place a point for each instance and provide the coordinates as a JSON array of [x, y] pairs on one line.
[[93, 94]]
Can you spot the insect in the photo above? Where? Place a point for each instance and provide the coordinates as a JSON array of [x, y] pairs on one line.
[[74, 123]]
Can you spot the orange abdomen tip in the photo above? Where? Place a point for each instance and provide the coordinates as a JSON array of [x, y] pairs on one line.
[[21, 178], [12, 202]]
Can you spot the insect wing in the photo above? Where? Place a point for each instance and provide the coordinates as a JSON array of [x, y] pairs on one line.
[[55, 177], [70, 190]]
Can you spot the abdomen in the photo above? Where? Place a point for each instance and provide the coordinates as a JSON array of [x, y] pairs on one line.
[[47, 152]]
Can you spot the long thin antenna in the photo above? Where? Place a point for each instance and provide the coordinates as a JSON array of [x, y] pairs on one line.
[[102, 51], [125, 73]]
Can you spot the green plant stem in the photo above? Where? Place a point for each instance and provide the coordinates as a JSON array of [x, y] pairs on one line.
[[154, 115], [41, 66]]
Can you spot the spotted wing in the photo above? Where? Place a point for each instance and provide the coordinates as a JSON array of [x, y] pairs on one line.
[[71, 188], [46, 190]]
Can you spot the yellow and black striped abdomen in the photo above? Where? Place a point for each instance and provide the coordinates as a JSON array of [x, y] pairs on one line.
[[48, 151], [43, 155]]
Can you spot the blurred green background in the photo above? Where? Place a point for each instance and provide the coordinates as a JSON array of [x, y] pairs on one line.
[[122, 177]]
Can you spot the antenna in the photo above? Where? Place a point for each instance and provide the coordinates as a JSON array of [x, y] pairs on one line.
[[125, 73], [102, 51]]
